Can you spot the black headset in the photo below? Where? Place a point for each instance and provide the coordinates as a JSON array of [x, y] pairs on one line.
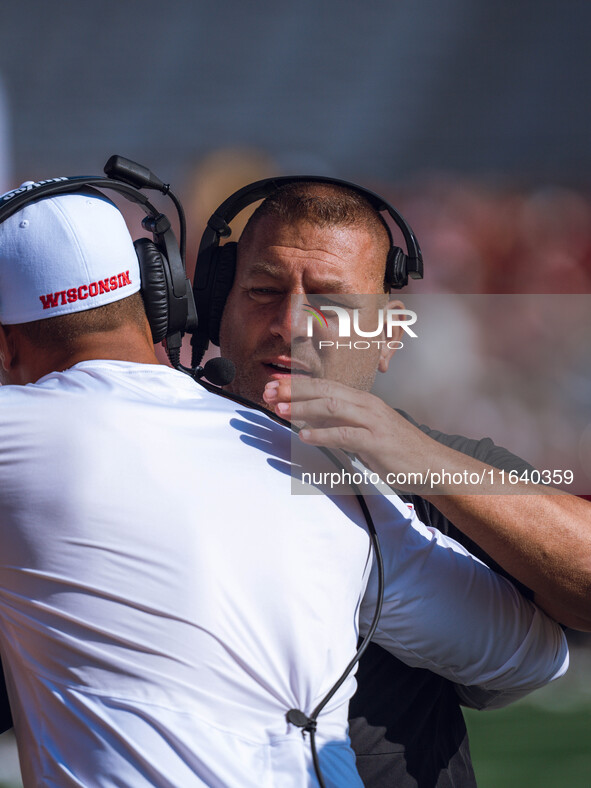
[[216, 265], [165, 289]]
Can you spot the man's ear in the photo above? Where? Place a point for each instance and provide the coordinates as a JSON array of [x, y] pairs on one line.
[[387, 352]]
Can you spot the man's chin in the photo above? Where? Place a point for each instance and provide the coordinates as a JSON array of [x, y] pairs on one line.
[[253, 391], [248, 392]]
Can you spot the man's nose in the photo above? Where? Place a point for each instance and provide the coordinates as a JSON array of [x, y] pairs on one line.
[[289, 321]]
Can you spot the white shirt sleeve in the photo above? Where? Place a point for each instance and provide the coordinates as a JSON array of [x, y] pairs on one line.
[[445, 611]]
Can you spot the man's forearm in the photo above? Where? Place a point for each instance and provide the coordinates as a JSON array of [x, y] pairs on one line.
[[544, 541]]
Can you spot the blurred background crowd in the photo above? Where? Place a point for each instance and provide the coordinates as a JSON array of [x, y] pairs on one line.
[[471, 117]]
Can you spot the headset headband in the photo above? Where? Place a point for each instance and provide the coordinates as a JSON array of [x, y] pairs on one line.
[[13, 201], [218, 224]]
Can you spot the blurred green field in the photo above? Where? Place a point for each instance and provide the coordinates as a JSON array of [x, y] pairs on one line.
[[543, 740], [527, 746]]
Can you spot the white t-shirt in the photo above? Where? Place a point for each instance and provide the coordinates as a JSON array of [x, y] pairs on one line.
[[165, 601]]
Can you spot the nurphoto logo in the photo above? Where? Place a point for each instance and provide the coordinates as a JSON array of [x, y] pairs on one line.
[[387, 321]]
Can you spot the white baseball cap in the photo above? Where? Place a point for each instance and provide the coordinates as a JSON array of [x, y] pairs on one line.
[[64, 254]]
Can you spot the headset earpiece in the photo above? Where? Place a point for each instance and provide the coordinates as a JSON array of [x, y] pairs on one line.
[[224, 262], [396, 268], [154, 288]]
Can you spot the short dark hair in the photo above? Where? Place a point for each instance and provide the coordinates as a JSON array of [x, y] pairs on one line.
[[323, 204], [65, 330]]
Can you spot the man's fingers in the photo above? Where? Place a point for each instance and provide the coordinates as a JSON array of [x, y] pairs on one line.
[[325, 412], [344, 437], [304, 389]]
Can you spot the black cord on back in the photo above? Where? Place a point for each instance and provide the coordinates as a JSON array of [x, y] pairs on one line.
[[295, 716]]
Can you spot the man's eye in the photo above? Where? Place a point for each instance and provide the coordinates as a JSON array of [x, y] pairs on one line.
[[263, 293]]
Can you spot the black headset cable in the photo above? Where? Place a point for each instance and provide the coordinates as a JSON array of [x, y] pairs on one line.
[[295, 716]]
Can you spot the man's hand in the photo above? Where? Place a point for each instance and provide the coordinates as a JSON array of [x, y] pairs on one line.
[[339, 417]]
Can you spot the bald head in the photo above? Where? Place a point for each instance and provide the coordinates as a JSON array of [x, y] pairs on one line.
[[323, 205]]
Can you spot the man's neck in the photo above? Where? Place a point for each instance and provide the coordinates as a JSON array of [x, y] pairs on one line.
[[123, 344]]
